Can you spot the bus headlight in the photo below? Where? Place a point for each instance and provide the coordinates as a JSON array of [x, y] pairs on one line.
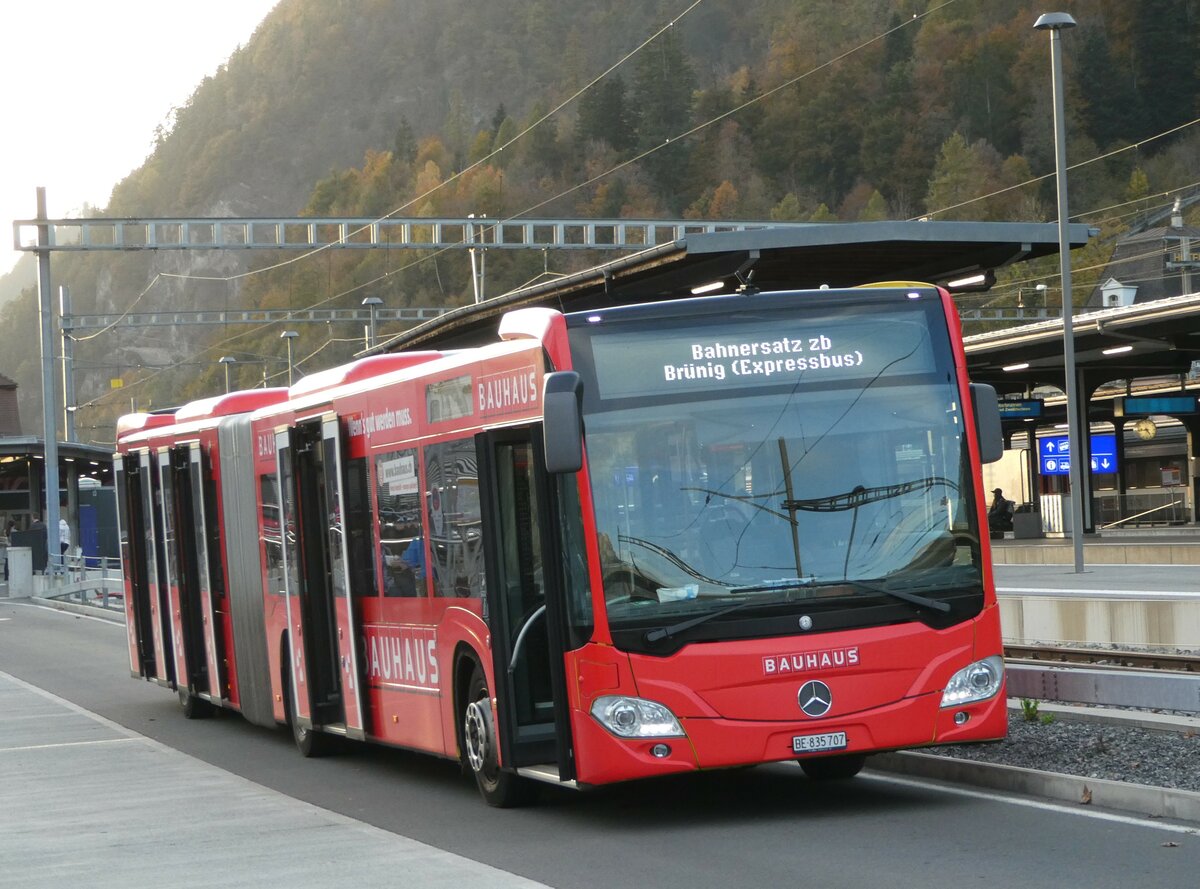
[[976, 682], [635, 717]]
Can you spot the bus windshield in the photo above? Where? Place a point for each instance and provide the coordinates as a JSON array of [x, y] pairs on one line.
[[804, 453]]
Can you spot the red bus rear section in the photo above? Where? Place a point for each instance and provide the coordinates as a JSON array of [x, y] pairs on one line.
[[640, 541]]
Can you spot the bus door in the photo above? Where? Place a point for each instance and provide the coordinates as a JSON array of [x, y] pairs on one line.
[[163, 668], [203, 639], [179, 591], [524, 602], [131, 482], [323, 631]]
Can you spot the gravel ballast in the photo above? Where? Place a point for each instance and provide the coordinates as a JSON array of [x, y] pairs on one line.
[[1107, 750]]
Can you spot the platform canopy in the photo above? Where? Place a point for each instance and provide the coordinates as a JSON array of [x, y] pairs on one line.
[[835, 254], [1150, 339]]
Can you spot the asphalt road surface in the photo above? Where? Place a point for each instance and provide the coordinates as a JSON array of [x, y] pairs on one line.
[[762, 827]]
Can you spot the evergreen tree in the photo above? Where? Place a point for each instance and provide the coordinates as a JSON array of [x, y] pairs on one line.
[[604, 117], [1109, 109], [662, 110], [876, 209], [1165, 44], [961, 173], [787, 210], [498, 118], [404, 145]]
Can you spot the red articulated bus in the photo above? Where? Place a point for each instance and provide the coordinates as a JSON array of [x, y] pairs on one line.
[[637, 541]]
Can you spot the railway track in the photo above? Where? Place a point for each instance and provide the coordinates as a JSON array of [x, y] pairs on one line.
[[1098, 658]]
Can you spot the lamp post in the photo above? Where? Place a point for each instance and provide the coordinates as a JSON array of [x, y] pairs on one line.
[[228, 361], [289, 335], [1054, 22], [372, 303]]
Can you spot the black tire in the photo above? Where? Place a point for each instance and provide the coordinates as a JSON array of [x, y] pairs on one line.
[[833, 768], [310, 743], [194, 707], [480, 749]]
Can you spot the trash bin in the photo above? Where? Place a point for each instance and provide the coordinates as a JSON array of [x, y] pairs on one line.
[[1027, 523]]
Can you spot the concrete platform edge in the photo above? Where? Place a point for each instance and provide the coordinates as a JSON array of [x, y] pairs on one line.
[[1153, 802], [77, 608]]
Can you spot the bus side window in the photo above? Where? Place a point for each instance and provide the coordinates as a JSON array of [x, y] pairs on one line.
[[454, 521], [401, 543], [272, 533], [357, 494]]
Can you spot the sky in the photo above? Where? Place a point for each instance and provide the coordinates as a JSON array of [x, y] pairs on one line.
[[84, 83]]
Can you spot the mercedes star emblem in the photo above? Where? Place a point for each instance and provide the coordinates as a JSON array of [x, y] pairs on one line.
[[814, 698]]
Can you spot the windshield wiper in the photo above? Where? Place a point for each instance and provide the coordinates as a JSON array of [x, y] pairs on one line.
[[786, 583], [912, 598], [666, 632]]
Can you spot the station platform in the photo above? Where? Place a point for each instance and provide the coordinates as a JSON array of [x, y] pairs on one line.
[[1173, 545]]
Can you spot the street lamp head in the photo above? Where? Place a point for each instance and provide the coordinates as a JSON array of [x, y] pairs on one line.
[[1054, 21], [226, 359], [288, 335], [372, 301]]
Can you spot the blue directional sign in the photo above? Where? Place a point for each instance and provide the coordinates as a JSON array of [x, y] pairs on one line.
[[1104, 454], [1054, 454]]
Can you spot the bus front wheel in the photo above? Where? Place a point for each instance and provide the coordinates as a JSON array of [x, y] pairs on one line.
[[833, 768], [481, 749]]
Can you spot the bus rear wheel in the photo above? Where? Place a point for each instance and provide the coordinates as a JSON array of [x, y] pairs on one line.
[[194, 707], [481, 749], [833, 768], [310, 743]]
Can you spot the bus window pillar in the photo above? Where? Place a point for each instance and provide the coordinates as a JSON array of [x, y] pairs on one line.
[[1122, 468], [1086, 387], [1192, 425]]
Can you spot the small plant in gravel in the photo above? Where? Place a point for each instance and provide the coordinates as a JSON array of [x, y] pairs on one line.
[[1047, 719], [1029, 709]]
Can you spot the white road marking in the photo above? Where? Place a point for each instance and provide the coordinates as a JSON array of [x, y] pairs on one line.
[[68, 744], [1080, 810]]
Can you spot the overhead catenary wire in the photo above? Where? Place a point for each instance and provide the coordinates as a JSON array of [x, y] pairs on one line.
[[622, 165], [930, 214], [478, 163]]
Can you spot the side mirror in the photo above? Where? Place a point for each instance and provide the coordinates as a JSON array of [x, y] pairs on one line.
[[986, 409], [562, 404]]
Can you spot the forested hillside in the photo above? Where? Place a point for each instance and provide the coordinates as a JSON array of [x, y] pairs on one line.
[[784, 109]]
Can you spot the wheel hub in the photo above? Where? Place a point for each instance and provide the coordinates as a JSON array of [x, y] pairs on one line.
[[477, 733]]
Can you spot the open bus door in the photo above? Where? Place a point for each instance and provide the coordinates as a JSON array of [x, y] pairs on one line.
[[524, 605], [162, 667], [203, 519], [184, 581], [325, 679], [139, 611]]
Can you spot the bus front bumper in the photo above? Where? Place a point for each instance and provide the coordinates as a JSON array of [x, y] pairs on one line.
[[602, 758]]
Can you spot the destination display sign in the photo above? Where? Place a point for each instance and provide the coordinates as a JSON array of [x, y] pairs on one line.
[[1012, 409], [748, 354], [1145, 405]]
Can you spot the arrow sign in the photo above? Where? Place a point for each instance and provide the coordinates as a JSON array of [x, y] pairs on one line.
[[1055, 451]]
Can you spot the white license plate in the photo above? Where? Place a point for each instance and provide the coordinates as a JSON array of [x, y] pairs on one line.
[[816, 743]]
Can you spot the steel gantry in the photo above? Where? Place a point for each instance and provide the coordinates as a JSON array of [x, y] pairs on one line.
[[784, 255]]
